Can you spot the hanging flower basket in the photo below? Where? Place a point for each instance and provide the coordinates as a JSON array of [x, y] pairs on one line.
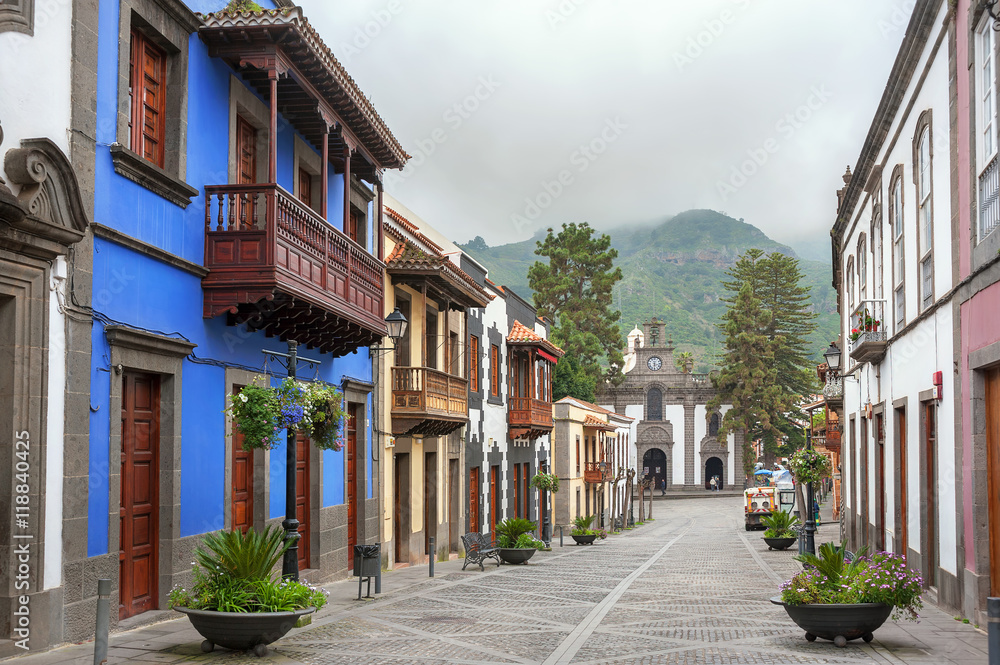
[[545, 481], [809, 466], [260, 413]]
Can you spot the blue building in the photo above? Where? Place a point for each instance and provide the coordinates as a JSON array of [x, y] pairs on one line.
[[237, 207]]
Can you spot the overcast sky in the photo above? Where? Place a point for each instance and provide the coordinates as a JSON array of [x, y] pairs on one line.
[[524, 114]]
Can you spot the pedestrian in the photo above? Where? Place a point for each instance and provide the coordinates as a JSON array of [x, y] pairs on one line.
[[714, 482], [663, 487]]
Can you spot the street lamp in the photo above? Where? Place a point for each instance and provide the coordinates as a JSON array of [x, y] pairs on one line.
[[396, 324], [832, 356]]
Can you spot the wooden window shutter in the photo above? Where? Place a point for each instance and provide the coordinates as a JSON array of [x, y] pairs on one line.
[[147, 87]]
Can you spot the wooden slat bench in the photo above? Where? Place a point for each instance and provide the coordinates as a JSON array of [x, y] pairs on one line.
[[478, 548]]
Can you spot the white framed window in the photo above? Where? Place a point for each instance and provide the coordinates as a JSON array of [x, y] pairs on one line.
[[898, 263], [925, 218], [850, 279], [863, 268], [986, 130], [876, 243]]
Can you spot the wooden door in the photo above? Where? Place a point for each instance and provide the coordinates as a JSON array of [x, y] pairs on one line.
[[517, 490], [474, 500], [302, 497], [992, 406], [139, 510], [351, 452], [901, 428], [494, 498], [930, 493], [527, 490], [865, 540], [305, 189], [246, 168], [242, 485], [880, 483], [401, 531]]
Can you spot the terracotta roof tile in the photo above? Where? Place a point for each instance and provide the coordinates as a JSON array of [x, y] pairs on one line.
[[522, 334], [407, 255]]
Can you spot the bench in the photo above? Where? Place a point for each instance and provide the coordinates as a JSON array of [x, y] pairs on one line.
[[478, 549]]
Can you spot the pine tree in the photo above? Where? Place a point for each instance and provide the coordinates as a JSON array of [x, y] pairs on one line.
[[574, 290]]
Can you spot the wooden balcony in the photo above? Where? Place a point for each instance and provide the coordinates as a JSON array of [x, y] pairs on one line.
[[592, 473], [428, 402], [277, 266], [528, 418]]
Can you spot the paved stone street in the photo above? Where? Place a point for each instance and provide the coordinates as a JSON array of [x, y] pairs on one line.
[[689, 587]]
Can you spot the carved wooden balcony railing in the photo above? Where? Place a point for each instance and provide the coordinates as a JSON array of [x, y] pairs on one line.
[[528, 418], [278, 266], [428, 402], [593, 473]]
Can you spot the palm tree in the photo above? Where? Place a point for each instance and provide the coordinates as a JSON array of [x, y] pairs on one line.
[[684, 361]]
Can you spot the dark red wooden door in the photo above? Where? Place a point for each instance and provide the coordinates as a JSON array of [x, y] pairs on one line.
[[246, 168], [494, 498], [305, 188], [302, 497], [527, 491], [139, 509], [474, 500], [992, 381], [351, 491], [242, 489]]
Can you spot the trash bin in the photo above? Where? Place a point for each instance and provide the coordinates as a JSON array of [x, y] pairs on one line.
[[367, 560]]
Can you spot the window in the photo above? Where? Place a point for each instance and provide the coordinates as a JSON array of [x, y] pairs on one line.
[[147, 98], [578, 453], [849, 278], [863, 267], [925, 217], [713, 425], [495, 370], [986, 100], [474, 364], [654, 404], [896, 215], [877, 243], [403, 345], [517, 491], [431, 338]]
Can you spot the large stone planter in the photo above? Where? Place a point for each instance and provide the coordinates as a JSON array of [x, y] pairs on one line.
[[516, 555], [779, 543], [839, 623], [241, 631], [585, 540]]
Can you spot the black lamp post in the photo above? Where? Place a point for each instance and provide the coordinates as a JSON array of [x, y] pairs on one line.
[[832, 356], [546, 537]]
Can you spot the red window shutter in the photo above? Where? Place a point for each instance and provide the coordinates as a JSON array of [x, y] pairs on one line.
[[474, 364], [148, 78]]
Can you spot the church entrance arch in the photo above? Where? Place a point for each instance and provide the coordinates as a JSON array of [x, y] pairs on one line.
[[654, 462], [714, 467]]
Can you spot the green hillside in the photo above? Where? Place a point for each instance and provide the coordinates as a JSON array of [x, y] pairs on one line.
[[674, 270]]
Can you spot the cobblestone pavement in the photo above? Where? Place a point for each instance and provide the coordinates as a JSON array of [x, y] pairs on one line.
[[689, 587]]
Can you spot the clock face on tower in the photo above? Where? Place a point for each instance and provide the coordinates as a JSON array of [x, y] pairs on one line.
[[654, 363]]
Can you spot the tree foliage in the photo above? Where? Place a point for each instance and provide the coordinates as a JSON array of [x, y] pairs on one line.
[[765, 364], [574, 289]]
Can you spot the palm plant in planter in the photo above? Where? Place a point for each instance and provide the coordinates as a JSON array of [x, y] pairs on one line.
[[235, 600], [839, 597], [513, 537], [780, 534], [583, 534]]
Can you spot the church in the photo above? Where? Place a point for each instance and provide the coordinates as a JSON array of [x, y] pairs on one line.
[[675, 434]]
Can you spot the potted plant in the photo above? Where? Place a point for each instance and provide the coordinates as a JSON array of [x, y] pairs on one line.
[[840, 598], [235, 601], [583, 534], [513, 537], [779, 534], [548, 482], [260, 413]]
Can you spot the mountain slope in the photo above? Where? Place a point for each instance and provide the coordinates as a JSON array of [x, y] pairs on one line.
[[674, 270]]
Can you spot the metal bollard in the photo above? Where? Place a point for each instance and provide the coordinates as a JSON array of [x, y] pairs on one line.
[[103, 619], [430, 558], [993, 629], [378, 575], [560, 536]]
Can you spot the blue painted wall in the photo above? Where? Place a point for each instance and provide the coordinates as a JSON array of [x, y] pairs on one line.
[[141, 292]]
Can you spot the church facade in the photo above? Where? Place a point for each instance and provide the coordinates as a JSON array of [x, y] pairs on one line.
[[675, 433]]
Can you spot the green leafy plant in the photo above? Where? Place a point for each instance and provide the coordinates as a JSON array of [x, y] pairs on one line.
[[581, 526], [260, 413], [235, 573], [527, 541], [833, 578], [545, 481], [809, 466], [240, 6], [508, 532], [779, 524], [323, 417]]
